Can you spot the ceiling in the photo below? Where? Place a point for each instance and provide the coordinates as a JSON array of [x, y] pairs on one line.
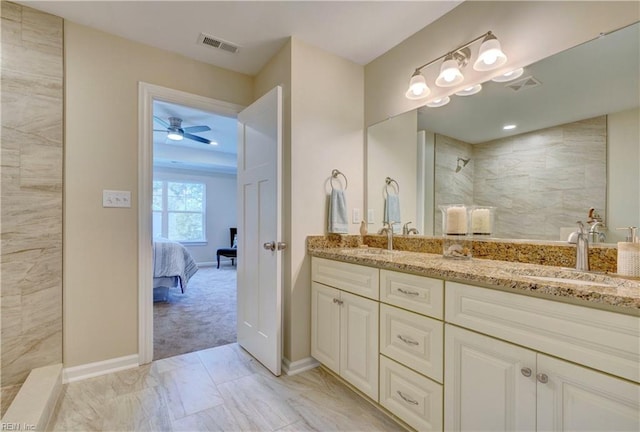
[[359, 31]]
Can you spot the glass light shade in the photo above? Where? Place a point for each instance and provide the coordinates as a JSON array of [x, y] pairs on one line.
[[450, 74], [509, 76], [490, 55], [470, 90], [436, 103], [418, 87], [175, 136]]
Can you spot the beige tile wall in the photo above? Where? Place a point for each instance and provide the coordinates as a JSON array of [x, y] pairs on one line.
[[31, 192]]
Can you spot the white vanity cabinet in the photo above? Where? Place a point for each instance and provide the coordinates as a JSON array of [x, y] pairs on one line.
[[344, 325], [493, 384]]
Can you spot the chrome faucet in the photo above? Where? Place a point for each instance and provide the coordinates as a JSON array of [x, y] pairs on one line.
[[596, 236], [406, 230], [387, 228], [582, 248]]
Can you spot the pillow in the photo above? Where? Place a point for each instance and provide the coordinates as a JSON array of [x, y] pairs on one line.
[[235, 241]]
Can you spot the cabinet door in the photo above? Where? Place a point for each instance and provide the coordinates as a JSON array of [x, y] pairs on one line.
[[575, 398], [490, 385], [325, 325], [359, 343]]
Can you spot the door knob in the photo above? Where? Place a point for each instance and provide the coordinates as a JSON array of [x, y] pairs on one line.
[[269, 246], [281, 246]]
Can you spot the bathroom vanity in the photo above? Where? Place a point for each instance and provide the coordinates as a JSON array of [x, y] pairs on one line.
[[479, 345]]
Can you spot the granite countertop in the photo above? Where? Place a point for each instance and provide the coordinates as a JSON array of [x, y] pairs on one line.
[[598, 290]]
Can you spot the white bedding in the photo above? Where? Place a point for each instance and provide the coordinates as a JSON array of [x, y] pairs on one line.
[[171, 259]]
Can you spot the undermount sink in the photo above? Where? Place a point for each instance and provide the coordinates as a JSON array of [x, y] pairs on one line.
[[572, 281]]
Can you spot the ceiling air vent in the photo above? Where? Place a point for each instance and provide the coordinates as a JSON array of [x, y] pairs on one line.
[[523, 83], [214, 42]]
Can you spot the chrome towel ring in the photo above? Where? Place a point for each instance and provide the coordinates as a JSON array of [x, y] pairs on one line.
[[389, 182], [334, 175]]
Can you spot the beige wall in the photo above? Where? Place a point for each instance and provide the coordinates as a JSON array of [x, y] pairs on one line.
[[528, 31], [623, 191], [31, 198], [101, 126], [323, 130]]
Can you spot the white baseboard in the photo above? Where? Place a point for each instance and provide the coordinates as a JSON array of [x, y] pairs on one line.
[[90, 370], [298, 366], [207, 264]]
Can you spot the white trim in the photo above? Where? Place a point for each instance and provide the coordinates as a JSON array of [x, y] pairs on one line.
[[298, 366], [146, 95], [90, 370]]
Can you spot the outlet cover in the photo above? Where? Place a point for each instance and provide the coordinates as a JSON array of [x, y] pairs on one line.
[[370, 216], [356, 216]]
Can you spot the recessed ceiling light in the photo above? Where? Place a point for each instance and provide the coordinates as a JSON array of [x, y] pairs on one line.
[[213, 143], [509, 127]]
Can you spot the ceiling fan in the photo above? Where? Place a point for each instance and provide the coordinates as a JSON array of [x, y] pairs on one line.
[[176, 132]]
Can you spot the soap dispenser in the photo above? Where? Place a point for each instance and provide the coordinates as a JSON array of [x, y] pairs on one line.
[[629, 253]]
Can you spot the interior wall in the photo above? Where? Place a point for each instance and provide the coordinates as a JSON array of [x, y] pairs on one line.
[[323, 102], [221, 208], [623, 192], [400, 164], [101, 126], [528, 31], [31, 198]]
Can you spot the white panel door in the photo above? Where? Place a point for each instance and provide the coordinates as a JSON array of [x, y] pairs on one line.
[[325, 325], [359, 343], [490, 385], [260, 229], [574, 398]]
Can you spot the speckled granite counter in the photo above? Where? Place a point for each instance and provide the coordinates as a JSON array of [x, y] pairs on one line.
[[595, 290]]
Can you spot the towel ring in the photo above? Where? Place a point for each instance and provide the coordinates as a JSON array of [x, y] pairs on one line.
[[334, 175], [391, 182]]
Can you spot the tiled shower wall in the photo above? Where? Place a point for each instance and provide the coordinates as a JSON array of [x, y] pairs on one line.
[[31, 191], [539, 181]]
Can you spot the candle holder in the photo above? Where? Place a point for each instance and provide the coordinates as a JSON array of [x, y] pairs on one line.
[[456, 243], [482, 220]]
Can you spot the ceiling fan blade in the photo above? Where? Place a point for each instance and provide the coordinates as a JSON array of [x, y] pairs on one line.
[[159, 130], [193, 129], [196, 138], [162, 122]]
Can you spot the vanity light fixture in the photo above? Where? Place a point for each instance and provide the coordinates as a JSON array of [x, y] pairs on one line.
[[509, 127], [490, 56], [436, 103], [509, 76], [471, 90]]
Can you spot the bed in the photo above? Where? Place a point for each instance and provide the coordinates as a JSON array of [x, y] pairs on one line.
[[173, 266]]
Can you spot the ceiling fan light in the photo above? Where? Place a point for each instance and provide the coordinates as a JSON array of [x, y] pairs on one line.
[[509, 76], [450, 74], [436, 103], [175, 136], [490, 55], [471, 90], [418, 87]]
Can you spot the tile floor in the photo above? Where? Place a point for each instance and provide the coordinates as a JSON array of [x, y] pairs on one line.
[[218, 389]]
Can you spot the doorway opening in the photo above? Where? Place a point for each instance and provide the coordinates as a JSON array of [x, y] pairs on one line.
[[187, 198]]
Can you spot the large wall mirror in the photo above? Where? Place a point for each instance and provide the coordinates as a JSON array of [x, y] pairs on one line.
[[576, 115]]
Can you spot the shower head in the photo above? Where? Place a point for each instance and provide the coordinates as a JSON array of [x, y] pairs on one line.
[[462, 163]]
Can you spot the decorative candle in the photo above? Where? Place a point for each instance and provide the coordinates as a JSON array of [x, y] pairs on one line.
[[481, 221], [456, 220]]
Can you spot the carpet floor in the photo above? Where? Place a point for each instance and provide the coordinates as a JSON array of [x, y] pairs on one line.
[[203, 317]]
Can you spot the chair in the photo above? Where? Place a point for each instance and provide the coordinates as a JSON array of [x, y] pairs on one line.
[[230, 252]]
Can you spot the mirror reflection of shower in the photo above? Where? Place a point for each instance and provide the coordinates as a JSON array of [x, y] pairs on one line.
[[462, 163]]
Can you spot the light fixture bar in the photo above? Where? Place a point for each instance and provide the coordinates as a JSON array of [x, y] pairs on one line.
[[419, 68]]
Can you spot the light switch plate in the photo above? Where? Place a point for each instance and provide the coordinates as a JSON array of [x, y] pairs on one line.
[[370, 216], [113, 198], [356, 216]]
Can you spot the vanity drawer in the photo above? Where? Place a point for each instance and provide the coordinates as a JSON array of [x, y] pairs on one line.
[[419, 294], [413, 340], [603, 340], [413, 398], [356, 279]]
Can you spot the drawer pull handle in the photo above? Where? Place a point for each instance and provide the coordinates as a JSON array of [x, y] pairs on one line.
[[543, 378], [408, 340], [335, 300], [407, 399], [412, 293], [526, 371]]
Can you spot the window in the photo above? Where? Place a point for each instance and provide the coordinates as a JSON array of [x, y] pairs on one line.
[[179, 210]]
